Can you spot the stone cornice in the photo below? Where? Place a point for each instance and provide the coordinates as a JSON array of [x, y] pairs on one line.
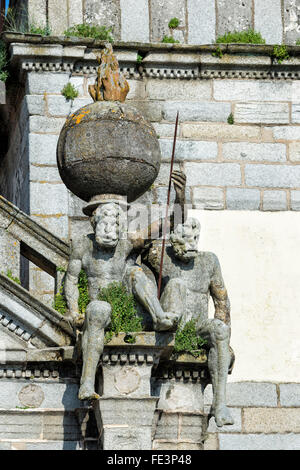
[[78, 55]]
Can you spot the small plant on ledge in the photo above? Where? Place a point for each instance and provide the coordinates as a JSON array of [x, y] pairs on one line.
[[89, 31], [298, 42], [246, 37], [230, 119], [188, 341], [69, 92], [280, 53], [169, 40]]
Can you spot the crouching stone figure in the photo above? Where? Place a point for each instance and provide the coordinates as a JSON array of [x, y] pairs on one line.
[[190, 277]]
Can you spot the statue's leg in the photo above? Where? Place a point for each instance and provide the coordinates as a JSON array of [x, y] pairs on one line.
[[173, 298], [97, 318], [146, 293], [218, 334]]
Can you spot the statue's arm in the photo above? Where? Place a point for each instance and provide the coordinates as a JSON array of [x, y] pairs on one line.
[[71, 282], [219, 293], [177, 216]]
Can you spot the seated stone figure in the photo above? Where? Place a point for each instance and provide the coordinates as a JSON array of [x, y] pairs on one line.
[[190, 277]]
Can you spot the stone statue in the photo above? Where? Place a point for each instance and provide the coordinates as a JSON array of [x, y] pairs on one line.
[[108, 255], [190, 277]]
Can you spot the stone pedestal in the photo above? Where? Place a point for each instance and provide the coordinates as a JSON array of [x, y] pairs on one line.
[[126, 410], [180, 419]]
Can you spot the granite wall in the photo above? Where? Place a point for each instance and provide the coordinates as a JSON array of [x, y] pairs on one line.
[[201, 21]]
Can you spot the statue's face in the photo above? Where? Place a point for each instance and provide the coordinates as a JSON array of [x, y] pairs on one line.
[[185, 240], [106, 225]]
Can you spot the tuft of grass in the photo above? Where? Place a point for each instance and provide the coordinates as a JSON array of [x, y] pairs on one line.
[[18, 23], [247, 37], [69, 91], [169, 40], [3, 62], [89, 31], [60, 303], [174, 23], [218, 53], [230, 119], [188, 341], [13, 278], [124, 314], [280, 53], [139, 59], [298, 42], [45, 31]]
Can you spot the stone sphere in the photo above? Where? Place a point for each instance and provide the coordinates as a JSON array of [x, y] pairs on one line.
[[108, 147]]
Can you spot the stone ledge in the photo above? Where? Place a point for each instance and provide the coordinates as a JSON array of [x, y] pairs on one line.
[[2, 93], [243, 61]]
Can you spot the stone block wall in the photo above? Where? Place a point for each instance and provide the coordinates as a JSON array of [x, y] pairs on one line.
[[267, 417], [201, 21]]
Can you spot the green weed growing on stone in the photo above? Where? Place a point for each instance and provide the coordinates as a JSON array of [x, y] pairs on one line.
[[174, 23], [13, 278], [18, 22], [230, 119], [247, 37], [298, 42], [188, 341], [89, 31], [280, 53], [3, 62], [60, 303], [124, 314], [43, 31], [169, 40], [69, 92], [218, 53], [139, 59]]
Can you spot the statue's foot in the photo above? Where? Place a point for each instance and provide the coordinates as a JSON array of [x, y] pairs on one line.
[[168, 322], [87, 392], [222, 415]]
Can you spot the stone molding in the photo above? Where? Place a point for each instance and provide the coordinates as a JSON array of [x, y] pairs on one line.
[[76, 55]]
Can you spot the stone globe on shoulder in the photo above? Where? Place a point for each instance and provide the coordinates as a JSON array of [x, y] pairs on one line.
[[108, 147]]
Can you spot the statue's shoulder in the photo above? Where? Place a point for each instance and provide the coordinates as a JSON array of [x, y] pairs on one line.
[[80, 244], [209, 258]]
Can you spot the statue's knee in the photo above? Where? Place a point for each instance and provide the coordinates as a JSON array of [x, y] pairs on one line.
[[221, 330], [99, 312]]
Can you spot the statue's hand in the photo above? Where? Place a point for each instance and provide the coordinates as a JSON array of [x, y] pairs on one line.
[[179, 182]]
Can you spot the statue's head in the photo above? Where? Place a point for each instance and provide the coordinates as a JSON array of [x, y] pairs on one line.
[[108, 224], [185, 240]]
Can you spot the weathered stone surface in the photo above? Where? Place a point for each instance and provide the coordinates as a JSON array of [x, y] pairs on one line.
[[247, 394], [211, 442], [262, 113], [42, 193], [242, 199], [266, 420], [179, 89], [135, 20], [259, 441], [36, 104], [161, 13], [37, 12], [20, 424], [272, 176], [31, 396], [251, 90], [201, 26], [291, 21], [289, 395], [176, 396], [43, 124], [233, 15], [47, 82], [208, 198], [286, 132], [76, 13], [213, 174], [294, 151], [57, 225], [272, 28], [244, 151], [274, 201], [223, 132], [44, 174], [188, 150], [104, 13], [295, 200], [42, 149], [151, 110], [2, 93], [59, 106], [58, 22], [296, 113], [196, 111]]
